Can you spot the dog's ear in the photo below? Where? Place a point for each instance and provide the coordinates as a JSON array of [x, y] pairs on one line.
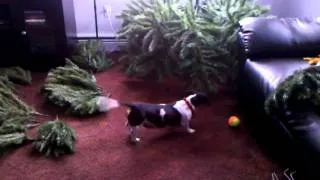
[[200, 98]]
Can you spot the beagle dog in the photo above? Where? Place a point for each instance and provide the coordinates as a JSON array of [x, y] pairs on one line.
[[175, 114]]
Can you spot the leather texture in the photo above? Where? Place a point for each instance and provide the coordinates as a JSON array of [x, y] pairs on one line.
[[280, 37], [274, 48], [265, 76], [268, 73]]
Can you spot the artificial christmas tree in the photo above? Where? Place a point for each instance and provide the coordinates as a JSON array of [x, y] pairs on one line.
[[74, 89], [144, 28], [91, 56], [297, 95], [15, 117], [55, 138], [168, 38]]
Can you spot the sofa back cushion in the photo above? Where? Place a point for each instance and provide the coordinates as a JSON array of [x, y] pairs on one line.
[[264, 37]]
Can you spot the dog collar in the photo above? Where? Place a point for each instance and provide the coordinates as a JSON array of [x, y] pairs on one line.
[[189, 105]]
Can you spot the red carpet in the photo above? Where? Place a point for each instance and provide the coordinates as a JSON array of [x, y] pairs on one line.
[[215, 151]]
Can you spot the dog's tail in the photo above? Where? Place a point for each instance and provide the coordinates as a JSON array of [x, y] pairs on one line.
[[108, 103]]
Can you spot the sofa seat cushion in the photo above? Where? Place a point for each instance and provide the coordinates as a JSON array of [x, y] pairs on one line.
[[306, 132], [266, 74]]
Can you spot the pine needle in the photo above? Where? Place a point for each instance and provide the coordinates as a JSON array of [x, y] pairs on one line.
[[5, 83], [17, 75], [11, 139]]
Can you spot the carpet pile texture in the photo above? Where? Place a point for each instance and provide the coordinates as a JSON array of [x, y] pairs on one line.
[[215, 151]]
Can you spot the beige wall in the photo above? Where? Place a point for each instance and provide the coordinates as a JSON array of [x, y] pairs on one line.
[[84, 12], [294, 8]]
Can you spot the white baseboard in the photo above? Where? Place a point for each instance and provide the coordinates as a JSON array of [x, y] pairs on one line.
[[112, 45]]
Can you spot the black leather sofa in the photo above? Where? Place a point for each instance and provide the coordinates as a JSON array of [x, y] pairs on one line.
[[271, 49]]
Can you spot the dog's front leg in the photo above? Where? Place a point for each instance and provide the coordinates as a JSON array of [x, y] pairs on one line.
[[186, 125]]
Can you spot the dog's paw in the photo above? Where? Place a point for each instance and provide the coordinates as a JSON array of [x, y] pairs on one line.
[[135, 140], [191, 130]]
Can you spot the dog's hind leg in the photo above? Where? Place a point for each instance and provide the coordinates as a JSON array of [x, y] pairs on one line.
[[133, 134], [135, 119]]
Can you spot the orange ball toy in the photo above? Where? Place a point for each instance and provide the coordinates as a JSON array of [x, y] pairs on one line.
[[234, 121]]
